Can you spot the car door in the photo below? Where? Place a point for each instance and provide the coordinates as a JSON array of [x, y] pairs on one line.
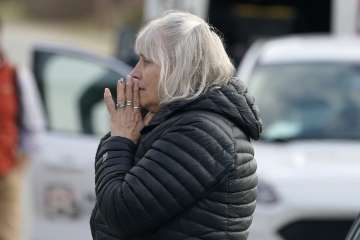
[[71, 85]]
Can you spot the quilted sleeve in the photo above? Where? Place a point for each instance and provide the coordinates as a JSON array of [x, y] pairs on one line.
[[179, 169]]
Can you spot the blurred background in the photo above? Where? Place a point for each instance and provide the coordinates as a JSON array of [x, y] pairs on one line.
[[100, 25], [300, 58], [90, 24]]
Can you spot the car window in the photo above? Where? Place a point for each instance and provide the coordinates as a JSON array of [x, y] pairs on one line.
[[308, 100], [72, 90]]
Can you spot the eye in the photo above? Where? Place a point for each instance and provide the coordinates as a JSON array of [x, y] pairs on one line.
[[144, 59]]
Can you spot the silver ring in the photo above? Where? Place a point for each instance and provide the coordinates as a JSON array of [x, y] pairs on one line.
[[120, 105], [137, 108], [128, 103]]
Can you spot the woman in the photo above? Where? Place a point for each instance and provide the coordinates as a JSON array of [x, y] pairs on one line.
[[187, 170]]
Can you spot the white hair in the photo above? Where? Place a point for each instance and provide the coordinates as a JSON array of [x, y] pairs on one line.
[[190, 54]]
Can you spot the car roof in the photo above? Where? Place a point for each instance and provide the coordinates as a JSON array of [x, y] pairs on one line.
[[305, 48]]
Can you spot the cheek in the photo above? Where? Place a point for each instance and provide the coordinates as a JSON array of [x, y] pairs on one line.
[[152, 81], [155, 78]]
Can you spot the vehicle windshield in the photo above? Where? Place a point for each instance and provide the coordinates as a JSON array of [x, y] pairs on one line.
[[308, 100]]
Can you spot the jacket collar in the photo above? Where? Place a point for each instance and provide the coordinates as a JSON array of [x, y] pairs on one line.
[[231, 101]]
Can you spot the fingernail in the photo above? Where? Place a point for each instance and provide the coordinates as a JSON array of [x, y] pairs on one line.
[[120, 81], [106, 92]]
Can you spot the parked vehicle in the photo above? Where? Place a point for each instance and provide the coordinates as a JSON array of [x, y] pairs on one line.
[[69, 85], [308, 92]]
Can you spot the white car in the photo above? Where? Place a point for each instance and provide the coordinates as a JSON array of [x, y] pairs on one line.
[[308, 91], [65, 107]]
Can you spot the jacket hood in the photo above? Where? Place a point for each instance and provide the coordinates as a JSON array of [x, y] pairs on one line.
[[230, 101]]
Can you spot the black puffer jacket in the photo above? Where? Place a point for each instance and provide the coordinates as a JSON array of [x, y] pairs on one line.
[[192, 175]]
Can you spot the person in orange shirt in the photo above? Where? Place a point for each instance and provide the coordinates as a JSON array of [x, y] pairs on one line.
[[10, 177]]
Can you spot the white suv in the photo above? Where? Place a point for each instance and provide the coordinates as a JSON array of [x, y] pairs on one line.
[[308, 92]]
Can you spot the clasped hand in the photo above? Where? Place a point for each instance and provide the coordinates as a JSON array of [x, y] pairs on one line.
[[125, 116]]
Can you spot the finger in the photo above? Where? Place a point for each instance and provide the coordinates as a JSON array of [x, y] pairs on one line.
[[110, 105], [120, 90], [136, 95], [148, 117], [129, 91]]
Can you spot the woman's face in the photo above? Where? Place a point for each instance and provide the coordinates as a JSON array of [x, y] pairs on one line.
[[147, 73]]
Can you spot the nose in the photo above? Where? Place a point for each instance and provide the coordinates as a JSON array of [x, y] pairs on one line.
[[135, 72]]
